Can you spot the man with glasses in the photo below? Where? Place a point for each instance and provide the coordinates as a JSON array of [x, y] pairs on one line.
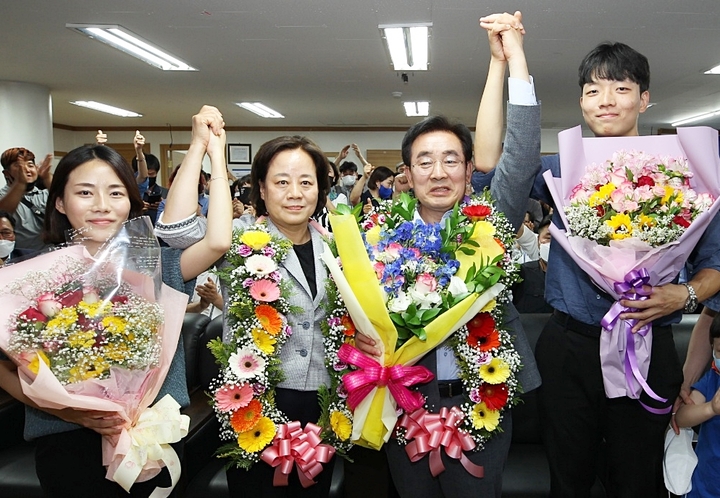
[[22, 198], [439, 153], [7, 238]]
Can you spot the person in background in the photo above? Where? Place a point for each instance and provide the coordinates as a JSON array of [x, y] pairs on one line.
[[380, 188], [206, 299], [23, 199], [8, 253], [704, 410], [154, 193], [529, 293]]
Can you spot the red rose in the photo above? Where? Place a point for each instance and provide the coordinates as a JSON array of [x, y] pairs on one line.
[[600, 211], [494, 396], [645, 181], [679, 220], [476, 213], [31, 314], [70, 298], [119, 299]]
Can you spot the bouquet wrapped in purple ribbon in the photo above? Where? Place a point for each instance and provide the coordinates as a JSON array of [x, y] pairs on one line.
[[630, 220]]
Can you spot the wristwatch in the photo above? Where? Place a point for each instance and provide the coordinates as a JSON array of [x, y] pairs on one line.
[[692, 301]]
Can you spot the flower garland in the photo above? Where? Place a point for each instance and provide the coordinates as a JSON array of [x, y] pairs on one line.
[[432, 278], [243, 395]]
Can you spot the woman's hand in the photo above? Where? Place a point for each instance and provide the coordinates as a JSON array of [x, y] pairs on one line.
[[104, 423], [208, 120], [367, 345]]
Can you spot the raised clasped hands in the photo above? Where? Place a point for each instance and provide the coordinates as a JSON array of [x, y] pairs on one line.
[[206, 123], [505, 34]]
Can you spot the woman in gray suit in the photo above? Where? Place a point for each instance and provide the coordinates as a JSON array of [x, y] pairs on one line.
[[289, 185]]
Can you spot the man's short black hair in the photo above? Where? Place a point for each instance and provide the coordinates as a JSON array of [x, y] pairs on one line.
[[437, 123], [615, 62], [348, 166]]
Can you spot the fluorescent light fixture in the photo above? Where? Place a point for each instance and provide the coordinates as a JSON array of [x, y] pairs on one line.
[[260, 109], [97, 106], [130, 43], [699, 117], [416, 108], [714, 70], [407, 45]]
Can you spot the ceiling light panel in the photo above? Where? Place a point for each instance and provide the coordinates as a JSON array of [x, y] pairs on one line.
[[420, 108], [699, 117], [260, 109], [407, 45], [130, 43], [109, 109]]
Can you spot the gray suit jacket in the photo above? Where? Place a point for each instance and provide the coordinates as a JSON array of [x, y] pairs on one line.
[[303, 355]]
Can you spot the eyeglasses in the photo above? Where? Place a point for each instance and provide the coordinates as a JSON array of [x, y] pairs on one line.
[[7, 234], [450, 163]]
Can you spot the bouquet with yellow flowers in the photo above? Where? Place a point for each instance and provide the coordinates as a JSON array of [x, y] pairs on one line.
[[100, 333]]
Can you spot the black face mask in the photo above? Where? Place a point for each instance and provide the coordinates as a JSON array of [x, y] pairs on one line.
[[244, 195], [151, 181], [29, 186]]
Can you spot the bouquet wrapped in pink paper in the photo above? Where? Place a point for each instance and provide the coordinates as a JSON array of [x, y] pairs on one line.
[[633, 209], [100, 333]]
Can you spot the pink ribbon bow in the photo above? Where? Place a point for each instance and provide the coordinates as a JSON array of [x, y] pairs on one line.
[[631, 288], [294, 445], [428, 432], [397, 378]]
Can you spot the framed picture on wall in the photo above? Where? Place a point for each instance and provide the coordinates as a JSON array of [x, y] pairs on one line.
[[239, 153]]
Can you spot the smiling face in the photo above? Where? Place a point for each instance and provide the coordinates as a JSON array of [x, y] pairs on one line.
[[612, 108], [94, 199], [290, 191], [440, 187]]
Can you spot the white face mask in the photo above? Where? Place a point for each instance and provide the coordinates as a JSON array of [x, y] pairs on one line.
[[349, 180], [544, 251], [6, 247]]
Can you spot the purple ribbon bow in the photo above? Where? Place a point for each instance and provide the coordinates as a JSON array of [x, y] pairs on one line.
[[632, 288]]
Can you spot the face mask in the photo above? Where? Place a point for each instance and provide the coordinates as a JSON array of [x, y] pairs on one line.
[[151, 181], [717, 360], [348, 181], [385, 193], [545, 251], [6, 247]]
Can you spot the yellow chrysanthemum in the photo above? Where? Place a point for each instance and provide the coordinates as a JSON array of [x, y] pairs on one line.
[[484, 418], [256, 239], [82, 339], [63, 320], [264, 341], [372, 236], [117, 352], [258, 437], [645, 221], [341, 425], [602, 195], [88, 368], [495, 372], [94, 310], [621, 225], [114, 324], [34, 365]]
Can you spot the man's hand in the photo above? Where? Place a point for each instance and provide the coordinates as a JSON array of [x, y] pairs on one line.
[[44, 170], [664, 300], [101, 138], [139, 142], [209, 294]]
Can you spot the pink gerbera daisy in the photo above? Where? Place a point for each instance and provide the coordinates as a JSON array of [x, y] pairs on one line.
[[245, 363], [230, 397], [265, 290]]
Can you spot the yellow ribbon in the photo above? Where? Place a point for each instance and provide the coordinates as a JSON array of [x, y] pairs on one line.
[[375, 416], [148, 445]]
